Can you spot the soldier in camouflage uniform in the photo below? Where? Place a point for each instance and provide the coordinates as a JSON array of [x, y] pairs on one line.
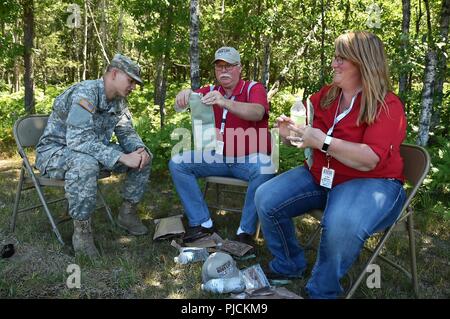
[[76, 145]]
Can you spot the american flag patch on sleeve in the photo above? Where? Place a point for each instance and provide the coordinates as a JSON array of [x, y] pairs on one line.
[[88, 106]]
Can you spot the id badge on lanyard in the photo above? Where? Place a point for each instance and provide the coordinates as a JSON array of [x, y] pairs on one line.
[[326, 179], [327, 176]]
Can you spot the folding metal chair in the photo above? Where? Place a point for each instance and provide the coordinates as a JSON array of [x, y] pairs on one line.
[[416, 166], [27, 131], [220, 181]]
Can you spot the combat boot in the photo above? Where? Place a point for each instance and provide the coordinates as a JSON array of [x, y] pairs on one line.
[[82, 239], [129, 220]]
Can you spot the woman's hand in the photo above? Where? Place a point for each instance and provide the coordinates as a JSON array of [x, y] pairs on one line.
[[306, 136], [282, 123]]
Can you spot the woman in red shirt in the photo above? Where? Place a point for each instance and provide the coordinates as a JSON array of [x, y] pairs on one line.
[[356, 172]]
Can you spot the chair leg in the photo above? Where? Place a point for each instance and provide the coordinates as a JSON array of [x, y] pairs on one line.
[[309, 243], [17, 200], [412, 250], [47, 211], [206, 189], [106, 206], [217, 196], [258, 230]]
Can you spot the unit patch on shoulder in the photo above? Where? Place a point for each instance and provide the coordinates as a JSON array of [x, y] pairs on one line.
[[88, 106]]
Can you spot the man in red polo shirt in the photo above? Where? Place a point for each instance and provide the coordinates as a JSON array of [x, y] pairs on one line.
[[241, 112]]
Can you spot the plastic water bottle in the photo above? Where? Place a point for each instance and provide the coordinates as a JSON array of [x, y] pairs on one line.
[[224, 285], [298, 115], [190, 255]]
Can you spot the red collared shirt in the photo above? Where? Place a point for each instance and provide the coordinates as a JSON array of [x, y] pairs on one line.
[[384, 137], [243, 137]]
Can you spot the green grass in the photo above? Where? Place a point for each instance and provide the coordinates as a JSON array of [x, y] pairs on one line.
[[138, 267]]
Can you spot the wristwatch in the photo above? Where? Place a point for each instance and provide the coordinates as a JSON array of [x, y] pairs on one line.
[[326, 143]]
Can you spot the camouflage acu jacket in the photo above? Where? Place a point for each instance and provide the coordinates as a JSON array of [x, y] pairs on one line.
[[84, 121]]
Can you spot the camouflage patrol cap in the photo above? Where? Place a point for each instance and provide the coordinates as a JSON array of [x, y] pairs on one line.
[[128, 66]]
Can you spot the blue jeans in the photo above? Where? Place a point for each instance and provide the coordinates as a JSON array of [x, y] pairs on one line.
[[190, 165], [353, 211]]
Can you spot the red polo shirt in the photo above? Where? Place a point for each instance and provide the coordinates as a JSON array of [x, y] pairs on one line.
[[384, 137], [243, 137]]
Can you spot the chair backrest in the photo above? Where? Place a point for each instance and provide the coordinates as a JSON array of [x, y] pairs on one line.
[[29, 129], [416, 162]]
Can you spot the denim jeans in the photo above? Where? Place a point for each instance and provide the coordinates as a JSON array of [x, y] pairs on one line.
[[190, 165], [353, 211]]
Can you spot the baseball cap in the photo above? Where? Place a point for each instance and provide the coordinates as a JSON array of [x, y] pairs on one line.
[[219, 265], [128, 66], [227, 54]]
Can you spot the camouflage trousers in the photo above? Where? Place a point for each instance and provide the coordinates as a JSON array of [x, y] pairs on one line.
[[81, 172]]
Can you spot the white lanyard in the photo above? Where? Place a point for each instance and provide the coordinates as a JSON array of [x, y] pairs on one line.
[[338, 118], [224, 118]]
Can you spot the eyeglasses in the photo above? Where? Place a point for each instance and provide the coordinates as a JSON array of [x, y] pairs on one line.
[[339, 60], [220, 67]]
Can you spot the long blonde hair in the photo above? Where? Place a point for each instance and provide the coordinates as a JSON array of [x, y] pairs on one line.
[[366, 51]]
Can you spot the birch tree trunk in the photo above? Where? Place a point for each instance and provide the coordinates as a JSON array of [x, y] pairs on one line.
[[120, 31], [427, 98], [266, 64], [28, 25], [441, 63], [193, 44], [85, 40], [403, 79]]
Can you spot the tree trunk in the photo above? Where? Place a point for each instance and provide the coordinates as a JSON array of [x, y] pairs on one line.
[[85, 40], [266, 64], [347, 15], [418, 18], [161, 78], [16, 73], [404, 70], [193, 43], [255, 68], [120, 31], [441, 63], [100, 42], [322, 45], [427, 98], [103, 31], [28, 24]]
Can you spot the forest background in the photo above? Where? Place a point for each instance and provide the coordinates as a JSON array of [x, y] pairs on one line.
[[47, 45]]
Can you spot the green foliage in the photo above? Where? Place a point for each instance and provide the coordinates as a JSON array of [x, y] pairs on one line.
[[153, 29], [11, 109]]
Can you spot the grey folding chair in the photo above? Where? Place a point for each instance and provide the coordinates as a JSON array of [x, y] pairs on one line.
[[27, 131], [220, 181], [416, 166]]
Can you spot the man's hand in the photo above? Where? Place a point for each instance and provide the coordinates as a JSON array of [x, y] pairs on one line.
[[145, 157], [137, 159], [214, 97], [182, 98]]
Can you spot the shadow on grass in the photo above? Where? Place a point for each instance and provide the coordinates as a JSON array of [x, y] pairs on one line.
[[138, 267]]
